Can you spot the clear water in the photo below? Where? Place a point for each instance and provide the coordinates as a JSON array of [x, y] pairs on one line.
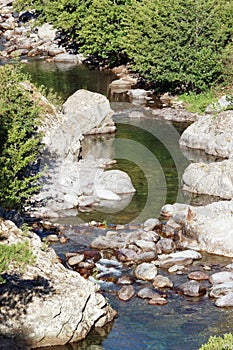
[[148, 150]]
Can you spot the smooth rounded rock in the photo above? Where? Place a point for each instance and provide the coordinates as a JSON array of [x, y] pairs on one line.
[[126, 293], [198, 276], [146, 271], [192, 289], [162, 282]]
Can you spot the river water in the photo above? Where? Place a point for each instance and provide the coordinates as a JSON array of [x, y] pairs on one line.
[[148, 150]]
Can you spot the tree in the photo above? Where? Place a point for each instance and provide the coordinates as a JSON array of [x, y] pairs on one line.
[[19, 145], [179, 43]]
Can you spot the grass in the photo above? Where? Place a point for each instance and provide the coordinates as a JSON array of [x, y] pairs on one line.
[[197, 103]]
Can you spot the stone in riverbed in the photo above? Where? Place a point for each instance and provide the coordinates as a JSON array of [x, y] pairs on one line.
[[167, 262], [157, 301], [126, 254], [192, 289], [148, 293], [221, 289], [125, 279], [165, 246], [198, 276], [146, 257], [162, 282], [145, 271], [76, 259], [126, 293], [221, 277], [151, 224], [103, 242], [225, 300], [145, 245]]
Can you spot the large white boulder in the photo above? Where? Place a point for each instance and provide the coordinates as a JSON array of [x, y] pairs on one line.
[[211, 133], [205, 228], [214, 179]]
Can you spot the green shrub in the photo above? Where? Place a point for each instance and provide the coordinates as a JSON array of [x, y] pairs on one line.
[[18, 254], [19, 139], [179, 45], [219, 343]]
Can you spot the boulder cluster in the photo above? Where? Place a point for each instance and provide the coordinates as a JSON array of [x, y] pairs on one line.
[[147, 261], [20, 36], [72, 182]]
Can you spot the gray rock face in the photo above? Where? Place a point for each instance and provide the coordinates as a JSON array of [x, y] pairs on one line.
[[208, 228], [70, 183], [178, 115], [47, 304], [213, 134], [215, 179]]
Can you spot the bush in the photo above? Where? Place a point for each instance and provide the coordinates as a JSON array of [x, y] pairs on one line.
[[179, 44], [19, 139], [219, 343], [18, 255]]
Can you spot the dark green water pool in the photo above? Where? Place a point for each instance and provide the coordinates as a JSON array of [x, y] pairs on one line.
[[148, 150]]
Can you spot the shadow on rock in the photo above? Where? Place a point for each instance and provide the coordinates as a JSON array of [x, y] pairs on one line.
[[17, 293]]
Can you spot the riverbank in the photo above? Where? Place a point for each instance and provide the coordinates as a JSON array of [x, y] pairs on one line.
[[134, 248]]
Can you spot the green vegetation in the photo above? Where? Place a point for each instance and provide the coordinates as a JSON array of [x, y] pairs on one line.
[[197, 103], [219, 343], [19, 140], [18, 255], [178, 45]]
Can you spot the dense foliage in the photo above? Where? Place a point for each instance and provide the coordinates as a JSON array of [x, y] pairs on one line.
[[219, 343], [19, 141], [177, 44]]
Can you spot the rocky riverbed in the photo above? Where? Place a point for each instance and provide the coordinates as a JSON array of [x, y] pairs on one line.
[[144, 261]]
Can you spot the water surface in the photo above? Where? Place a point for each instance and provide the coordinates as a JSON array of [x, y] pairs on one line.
[[148, 150]]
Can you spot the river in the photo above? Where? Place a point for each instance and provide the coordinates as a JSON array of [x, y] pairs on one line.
[[148, 150]]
